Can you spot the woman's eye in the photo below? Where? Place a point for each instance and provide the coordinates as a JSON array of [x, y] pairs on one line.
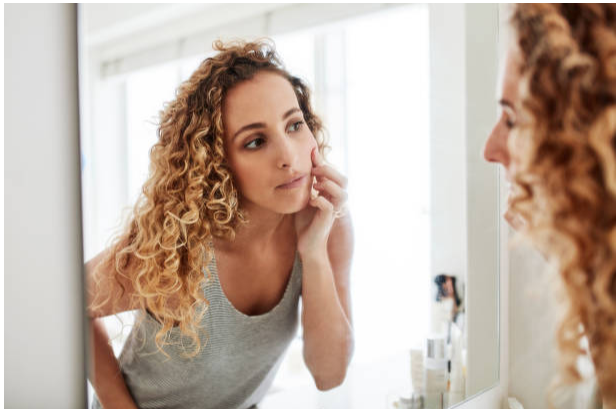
[[254, 144], [509, 121], [509, 118], [296, 126]]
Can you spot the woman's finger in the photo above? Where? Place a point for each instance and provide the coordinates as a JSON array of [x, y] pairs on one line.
[[317, 159], [333, 192], [321, 169], [323, 204], [326, 171]]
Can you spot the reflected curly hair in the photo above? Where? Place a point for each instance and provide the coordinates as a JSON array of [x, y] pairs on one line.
[[189, 196], [564, 156]]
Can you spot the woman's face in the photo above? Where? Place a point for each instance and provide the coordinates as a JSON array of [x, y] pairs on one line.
[[268, 144], [496, 149]]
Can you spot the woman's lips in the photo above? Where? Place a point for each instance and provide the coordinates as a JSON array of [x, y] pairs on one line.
[[293, 184]]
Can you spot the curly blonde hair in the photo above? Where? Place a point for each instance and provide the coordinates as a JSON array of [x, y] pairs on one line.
[[563, 152], [190, 196]]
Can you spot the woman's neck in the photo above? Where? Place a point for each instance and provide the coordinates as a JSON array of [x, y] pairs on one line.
[[264, 228]]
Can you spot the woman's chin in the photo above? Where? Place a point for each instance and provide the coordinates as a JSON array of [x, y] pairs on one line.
[[509, 218], [513, 219], [290, 207], [303, 204]]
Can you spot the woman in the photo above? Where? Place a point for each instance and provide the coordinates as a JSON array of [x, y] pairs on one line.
[[556, 138], [225, 237]]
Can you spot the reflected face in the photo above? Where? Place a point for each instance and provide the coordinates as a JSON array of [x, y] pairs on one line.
[[268, 144], [448, 287], [496, 149]]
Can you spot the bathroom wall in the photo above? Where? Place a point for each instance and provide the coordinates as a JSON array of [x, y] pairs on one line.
[[43, 302]]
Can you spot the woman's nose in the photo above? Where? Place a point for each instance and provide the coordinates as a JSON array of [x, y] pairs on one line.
[[496, 149], [285, 153]]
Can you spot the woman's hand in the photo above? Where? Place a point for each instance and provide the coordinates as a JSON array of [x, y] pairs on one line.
[[313, 224], [326, 306]]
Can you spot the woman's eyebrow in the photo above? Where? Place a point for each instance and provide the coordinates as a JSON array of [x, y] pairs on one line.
[[258, 125], [290, 112], [508, 107], [506, 103], [248, 127]]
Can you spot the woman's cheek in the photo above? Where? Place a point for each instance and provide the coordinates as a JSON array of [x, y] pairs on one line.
[[311, 145]]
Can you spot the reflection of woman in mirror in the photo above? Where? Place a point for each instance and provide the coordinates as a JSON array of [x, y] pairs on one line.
[[446, 289], [556, 139], [225, 237]]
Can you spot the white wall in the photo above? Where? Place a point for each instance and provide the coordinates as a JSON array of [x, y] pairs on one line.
[[44, 321]]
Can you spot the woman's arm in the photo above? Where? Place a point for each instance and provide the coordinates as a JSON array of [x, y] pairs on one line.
[[326, 311], [105, 374]]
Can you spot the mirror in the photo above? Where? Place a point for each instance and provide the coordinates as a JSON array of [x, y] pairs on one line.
[[407, 94]]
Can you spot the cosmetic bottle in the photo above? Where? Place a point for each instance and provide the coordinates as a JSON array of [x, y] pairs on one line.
[[435, 374], [415, 402], [417, 370], [457, 388]]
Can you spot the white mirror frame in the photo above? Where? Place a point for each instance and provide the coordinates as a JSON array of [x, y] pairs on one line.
[[463, 88]]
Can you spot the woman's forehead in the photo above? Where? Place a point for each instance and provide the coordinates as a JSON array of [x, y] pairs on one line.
[[264, 95], [511, 76]]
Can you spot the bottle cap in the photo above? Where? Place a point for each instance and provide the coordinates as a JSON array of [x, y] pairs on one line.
[[435, 348]]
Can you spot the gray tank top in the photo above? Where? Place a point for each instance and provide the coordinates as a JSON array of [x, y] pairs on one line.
[[234, 369]]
